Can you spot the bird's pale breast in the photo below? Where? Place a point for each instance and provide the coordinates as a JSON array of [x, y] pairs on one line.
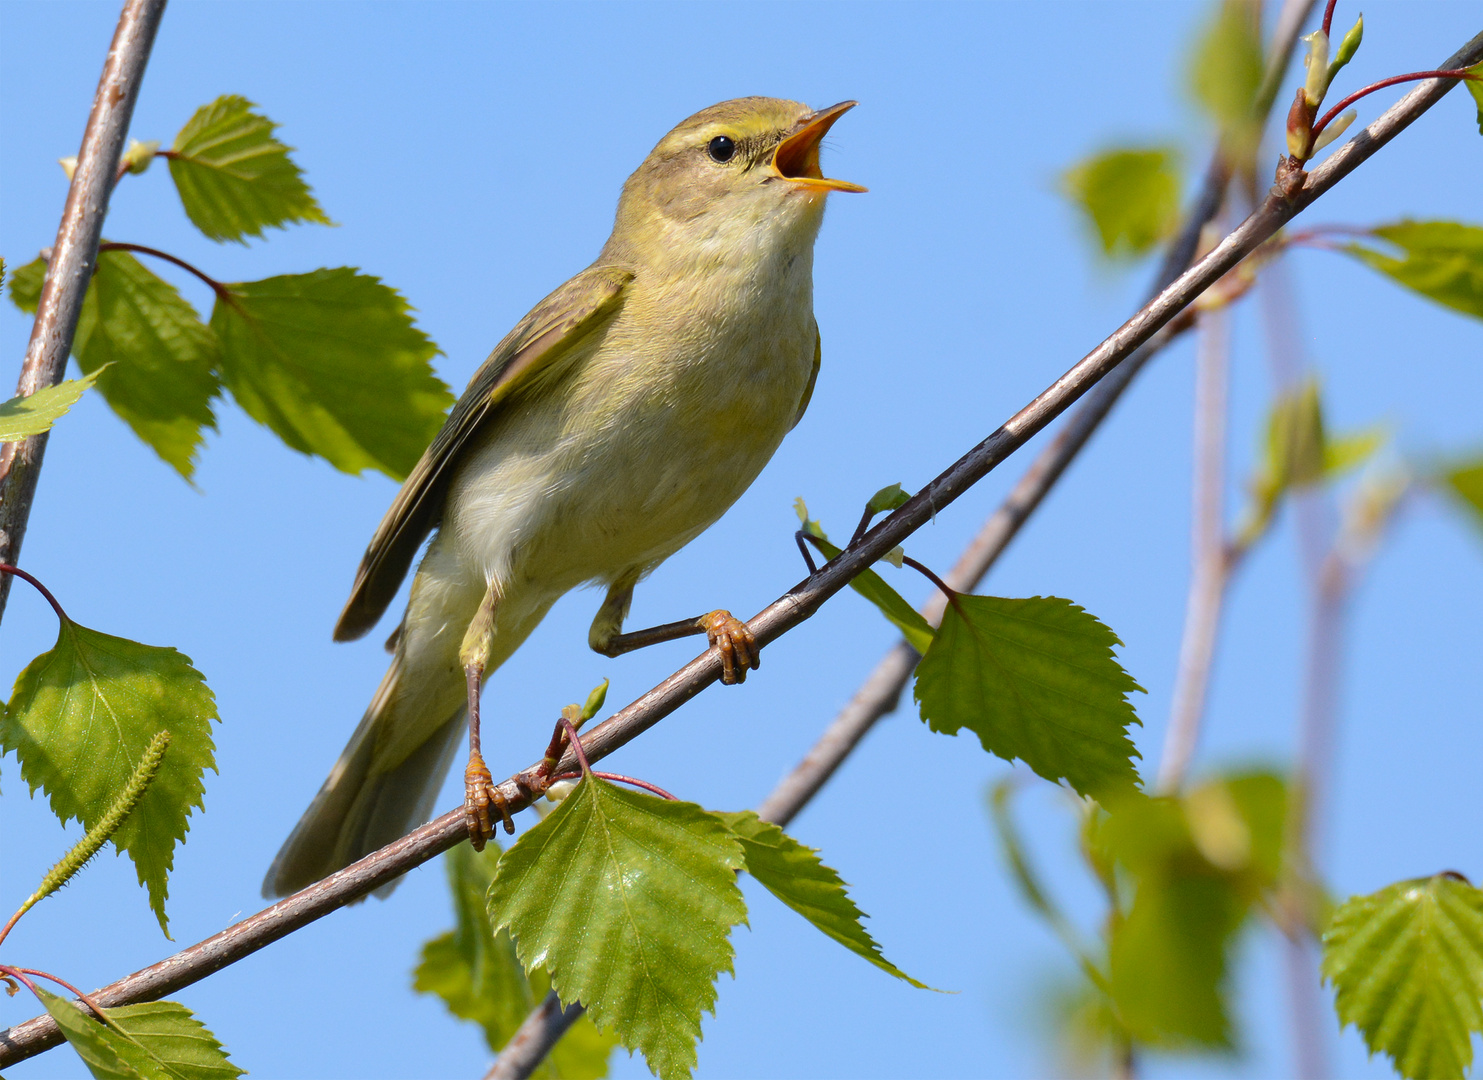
[[670, 415]]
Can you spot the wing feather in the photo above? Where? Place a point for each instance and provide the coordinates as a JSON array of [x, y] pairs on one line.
[[538, 341]]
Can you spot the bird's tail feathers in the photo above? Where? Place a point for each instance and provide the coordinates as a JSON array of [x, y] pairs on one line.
[[355, 812]]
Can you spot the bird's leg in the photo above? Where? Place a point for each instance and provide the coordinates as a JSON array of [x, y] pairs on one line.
[[480, 796], [739, 650]]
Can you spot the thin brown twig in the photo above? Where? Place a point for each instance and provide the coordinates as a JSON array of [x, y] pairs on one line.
[[357, 880], [74, 257]]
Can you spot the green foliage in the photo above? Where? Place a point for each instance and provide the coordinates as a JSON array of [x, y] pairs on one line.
[[796, 876], [1299, 452], [479, 977], [1407, 965], [1475, 87], [1036, 680], [22, 417], [1347, 48], [332, 363], [1197, 866], [1131, 196], [234, 177], [1225, 69], [1465, 483], [887, 498], [154, 359], [1443, 260], [25, 285], [628, 901], [81, 719], [160, 1040], [917, 630]]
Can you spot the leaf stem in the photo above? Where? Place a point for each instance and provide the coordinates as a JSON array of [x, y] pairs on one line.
[[619, 778], [1328, 15], [798, 537], [1415, 76], [217, 287], [576, 744], [5, 569], [20, 975], [947, 590]]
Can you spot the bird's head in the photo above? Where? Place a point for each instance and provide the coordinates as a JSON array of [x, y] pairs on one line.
[[734, 177]]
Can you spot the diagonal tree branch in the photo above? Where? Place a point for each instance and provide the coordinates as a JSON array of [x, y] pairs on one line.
[[879, 694], [355, 881], [74, 256]]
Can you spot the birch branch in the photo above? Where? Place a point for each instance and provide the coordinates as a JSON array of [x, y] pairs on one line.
[[74, 257], [236, 942]]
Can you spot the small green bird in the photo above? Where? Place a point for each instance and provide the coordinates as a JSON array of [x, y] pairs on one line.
[[618, 420]]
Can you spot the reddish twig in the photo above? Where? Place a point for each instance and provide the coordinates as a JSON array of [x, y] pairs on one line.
[[619, 778], [217, 287], [6, 570], [1415, 76], [20, 973], [74, 256], [1328, 16]]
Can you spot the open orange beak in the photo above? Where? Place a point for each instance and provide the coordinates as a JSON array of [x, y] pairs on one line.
[[797, 157]]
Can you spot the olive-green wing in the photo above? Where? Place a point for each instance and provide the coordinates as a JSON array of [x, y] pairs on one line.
[[813, 377], [538, 342]]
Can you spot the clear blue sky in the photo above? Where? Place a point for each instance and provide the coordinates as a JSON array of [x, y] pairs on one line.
[[472, 156]]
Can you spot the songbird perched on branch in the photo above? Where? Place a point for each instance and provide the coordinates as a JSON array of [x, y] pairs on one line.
[[618, 420]]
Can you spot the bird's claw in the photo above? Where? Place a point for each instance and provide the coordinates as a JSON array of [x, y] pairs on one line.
[[481, 803], [739, 650]]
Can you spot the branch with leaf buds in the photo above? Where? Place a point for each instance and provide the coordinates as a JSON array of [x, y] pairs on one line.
[[75, 254]]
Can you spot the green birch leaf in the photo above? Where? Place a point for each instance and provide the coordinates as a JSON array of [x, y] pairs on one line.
[[1343, 453], [796, 876], [154, 358], [1130, 196], [79, 721], [1475, 87], [1465, 484], [234, 177], [1443, 260], [1225, 69], [332, 363], [25, 285], [158, 1040], [479, 977], [1198, 865], [1036, 680], [888, 498], [22, 417], [628, 901], [1407, 965], [1169, 958]]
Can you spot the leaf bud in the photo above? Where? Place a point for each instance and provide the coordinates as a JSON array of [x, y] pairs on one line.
[[1317, 61], [1348, 47], [594, 700], [139, 154], [896, 556], [560, 790], [69, 165], [1336, 128], [1300, 126]]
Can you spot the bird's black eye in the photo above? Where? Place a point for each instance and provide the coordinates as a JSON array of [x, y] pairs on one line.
[[721, 148]]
